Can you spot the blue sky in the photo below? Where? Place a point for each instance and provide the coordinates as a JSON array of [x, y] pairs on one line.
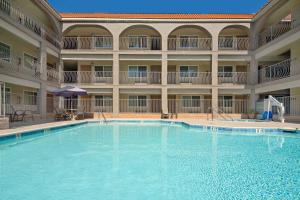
[[159, 6]]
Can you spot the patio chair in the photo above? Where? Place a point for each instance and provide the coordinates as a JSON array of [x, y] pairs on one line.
[[18, 116], [165, 115], [61, 114], [80, 113]]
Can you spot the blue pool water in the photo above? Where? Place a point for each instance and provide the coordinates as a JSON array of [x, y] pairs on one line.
[[149, 161]]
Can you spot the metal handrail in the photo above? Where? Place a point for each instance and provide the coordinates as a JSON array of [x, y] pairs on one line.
[[220, 113]]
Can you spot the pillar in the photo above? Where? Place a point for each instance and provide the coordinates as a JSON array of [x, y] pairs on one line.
[[116, 69], [296, 15], [164, 69], [164, 99], [253, 99], [215, 99], [214, 68], [116, 101], [43, 86]]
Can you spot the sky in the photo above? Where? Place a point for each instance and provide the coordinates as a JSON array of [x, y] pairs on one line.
[[159, 6]]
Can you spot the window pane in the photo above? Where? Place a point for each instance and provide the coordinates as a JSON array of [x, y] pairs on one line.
[[132, 71], [142, 101], [30, 98], [132, 101], [4, 52]]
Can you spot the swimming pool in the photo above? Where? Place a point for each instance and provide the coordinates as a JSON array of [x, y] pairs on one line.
[[149, 160]]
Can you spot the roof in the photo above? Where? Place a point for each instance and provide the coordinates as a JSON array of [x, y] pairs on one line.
[[156, 16]]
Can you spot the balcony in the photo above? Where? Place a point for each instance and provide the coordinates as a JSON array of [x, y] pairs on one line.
[[14, 64], [275, 72], [88, 43], [189, 44], [86, 77], [25, 21], [140, 105], [232, 77], [275, 31], [140, 43], [128, 77], [189, 105], [189, 78], [233, 43], [233, 106], [89, 105], [52, 74]]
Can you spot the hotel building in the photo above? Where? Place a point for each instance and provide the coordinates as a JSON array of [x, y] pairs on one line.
[[142, 65]]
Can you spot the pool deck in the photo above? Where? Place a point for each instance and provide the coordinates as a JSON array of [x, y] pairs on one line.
[[226, 124]]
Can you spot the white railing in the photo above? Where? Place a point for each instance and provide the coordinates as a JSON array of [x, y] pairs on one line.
[[13, 64], [188, 105], [95, 42], [140, 43], [235, 106], [274, 72], [189, 77], [87, 77], [52, 74], [28, 22], [88, 105], [291, 105], [140, 105], [233, 43], [272, 32], [232, 77], [189, 43], [140, 77]]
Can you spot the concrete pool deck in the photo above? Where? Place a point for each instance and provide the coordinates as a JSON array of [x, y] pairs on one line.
[[226, 124]]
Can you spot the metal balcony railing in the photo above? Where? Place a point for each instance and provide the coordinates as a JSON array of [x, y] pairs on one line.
[[21, 19], [87, 43], [189, 77], [88, 105], [140, 43], [52, 74], [87, 77], [274, 72], [291, 105], [192, 43], [188, 105], [272, 32], [233, 43], [234, 106], [232, 77], [140, 105], [140, 77]]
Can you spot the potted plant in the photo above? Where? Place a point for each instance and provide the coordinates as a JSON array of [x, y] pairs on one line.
[[252, 114]]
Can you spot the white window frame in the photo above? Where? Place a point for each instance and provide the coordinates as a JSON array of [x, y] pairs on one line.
[[102, 36], [223, 101], [137, 72], [137, 99], [188, 72], [27, 54], [36, 100], [10, 95], [105, 98], [7, 59], [103, 71], [191, 100], [223, 72], [137, 47]]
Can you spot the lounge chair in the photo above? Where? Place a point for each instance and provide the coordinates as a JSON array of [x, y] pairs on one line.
[[61, 114]]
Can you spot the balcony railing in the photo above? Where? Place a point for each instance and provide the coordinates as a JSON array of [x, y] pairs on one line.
[[14, 64], [232, 77], [291, 105], [52, 74], [88, 43], [140, 43], [189, 105], [28, 22], [183, 44], [273, 32], [88, 105], [234, 106], [140, 77], [87, 77], [274, 72], [189, 77], [233, 43], [140, 105]]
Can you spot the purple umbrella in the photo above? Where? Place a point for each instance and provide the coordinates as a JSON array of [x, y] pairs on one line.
[[69, 91]]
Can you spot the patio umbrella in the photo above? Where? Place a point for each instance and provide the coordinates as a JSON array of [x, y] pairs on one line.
[[69, 91]]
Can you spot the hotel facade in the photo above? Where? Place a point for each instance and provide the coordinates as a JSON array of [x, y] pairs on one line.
[[142, 65]]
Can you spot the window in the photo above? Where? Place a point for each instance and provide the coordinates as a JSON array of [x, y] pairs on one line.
[[4, 52], [137, 71], [7, 95], [103, 42], [225, 101], [30, 98], [137, 101], [225, 71], [30, 61], [138, 42], [188, 71], [103, 71], [103, 101], [191, 101], [189, 41]]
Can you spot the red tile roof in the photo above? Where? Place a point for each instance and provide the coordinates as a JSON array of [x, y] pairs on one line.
[[156, 16]]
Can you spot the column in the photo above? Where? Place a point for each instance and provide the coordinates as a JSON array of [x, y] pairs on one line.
[[43, 100], [43, 86], [116, 101], [215, 99], [43, 62], [253, 98], [164, 99], [214, 75], [164, 69], [296, 15], [60, 66], [116, 69]]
